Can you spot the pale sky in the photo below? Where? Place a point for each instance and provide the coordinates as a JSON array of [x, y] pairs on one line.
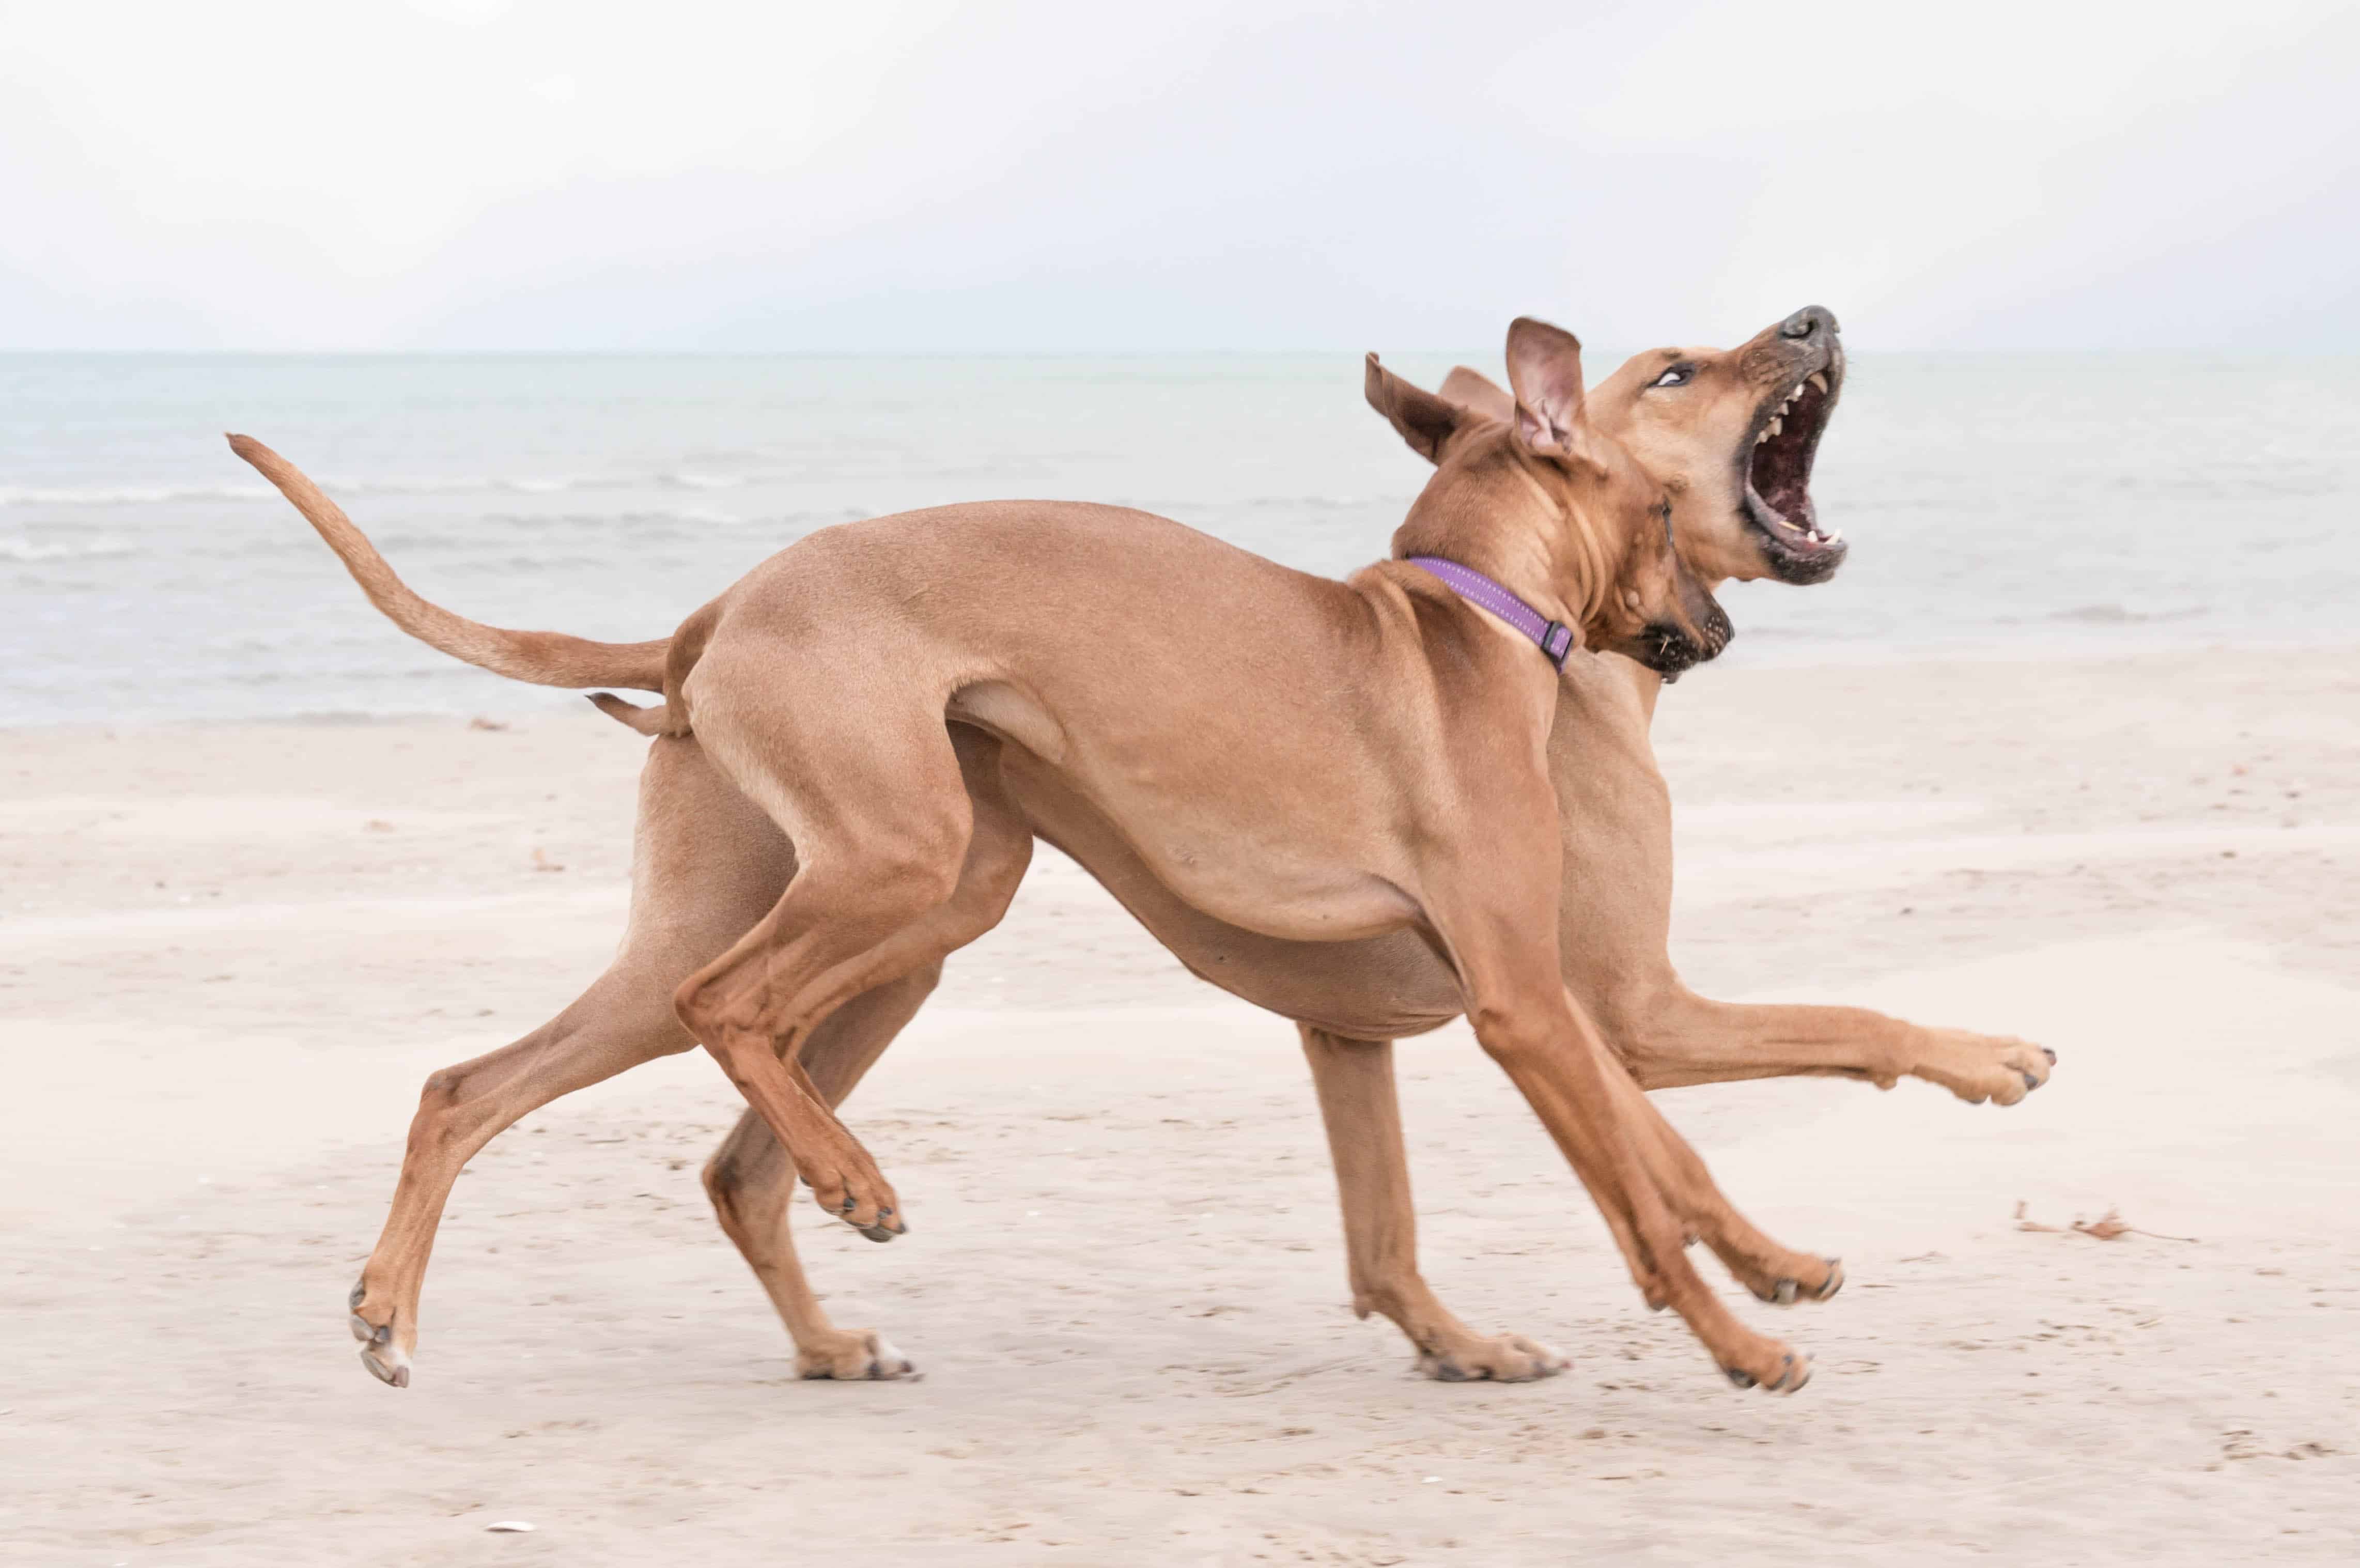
[[913, 174]]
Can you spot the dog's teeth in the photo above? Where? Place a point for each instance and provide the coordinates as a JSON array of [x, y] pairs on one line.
[[1818, 378], [1777, 422], [1763, 436], [1832, 535]]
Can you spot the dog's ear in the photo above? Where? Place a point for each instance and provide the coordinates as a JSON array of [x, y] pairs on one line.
[[1478, 394], [1424, 419], [1545, 369]]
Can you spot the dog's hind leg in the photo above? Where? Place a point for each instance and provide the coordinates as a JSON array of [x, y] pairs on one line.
[[706, 863], [1362, 1114], [750, 1178], [619, 1022], [872, 795], [752, 1186]]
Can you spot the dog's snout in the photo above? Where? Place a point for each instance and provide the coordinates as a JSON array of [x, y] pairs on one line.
[[1717, 632], [1808, 322]]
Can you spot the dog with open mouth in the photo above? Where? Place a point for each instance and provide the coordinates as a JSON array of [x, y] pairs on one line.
[[1733, 433], [711, 864]]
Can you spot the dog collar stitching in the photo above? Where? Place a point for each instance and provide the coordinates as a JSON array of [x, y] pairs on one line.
[[1554, 638]]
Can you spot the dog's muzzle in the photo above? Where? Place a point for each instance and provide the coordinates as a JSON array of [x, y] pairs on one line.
[[1668, 650]]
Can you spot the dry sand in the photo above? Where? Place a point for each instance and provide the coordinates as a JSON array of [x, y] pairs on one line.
[[228, 955]]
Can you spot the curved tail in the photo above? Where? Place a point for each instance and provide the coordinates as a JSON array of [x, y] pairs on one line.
[[545, 659]]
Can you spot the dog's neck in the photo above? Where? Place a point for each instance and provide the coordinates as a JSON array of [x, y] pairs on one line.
[[1517, 520]]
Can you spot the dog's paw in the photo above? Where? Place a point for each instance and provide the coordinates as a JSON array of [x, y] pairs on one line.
[[1816, 1283], [1979, 1067], [1503, 1358], [862, 1200], [387, 1360], [1768, 1365], [855, 1356]]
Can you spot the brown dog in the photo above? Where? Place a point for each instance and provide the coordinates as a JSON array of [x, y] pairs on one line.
[[710, 863]]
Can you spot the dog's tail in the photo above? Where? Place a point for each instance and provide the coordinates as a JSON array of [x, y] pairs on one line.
[[545, 659]]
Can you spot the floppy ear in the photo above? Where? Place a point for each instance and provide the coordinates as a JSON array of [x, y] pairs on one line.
[[1424, 419], [1545, 369], [1478, 395]]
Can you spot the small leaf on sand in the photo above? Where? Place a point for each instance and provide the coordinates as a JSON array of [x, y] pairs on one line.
[[2105, 1229], [2109, 1226]]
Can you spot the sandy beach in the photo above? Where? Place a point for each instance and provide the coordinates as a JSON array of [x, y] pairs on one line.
[[228, 955]]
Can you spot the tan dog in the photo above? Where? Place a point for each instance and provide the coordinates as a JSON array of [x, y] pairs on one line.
[[710, 863]]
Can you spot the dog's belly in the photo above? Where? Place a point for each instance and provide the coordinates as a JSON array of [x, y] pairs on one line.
[[1375, 986], [1239, 849]]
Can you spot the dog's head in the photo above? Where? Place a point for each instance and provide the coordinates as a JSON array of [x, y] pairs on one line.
[[1534, 489], [1731, 434]]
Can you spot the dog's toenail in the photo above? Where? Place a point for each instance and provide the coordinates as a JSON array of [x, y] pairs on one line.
[[2048, 1053], [2030, 1082], [360, 1289], [1786, 1293], [878, 1233], [1740, 1376]]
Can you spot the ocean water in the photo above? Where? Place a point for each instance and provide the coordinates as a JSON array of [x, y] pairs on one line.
[[1997, 504]]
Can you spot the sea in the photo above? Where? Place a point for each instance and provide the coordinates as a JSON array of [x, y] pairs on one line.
[[2002, 506]]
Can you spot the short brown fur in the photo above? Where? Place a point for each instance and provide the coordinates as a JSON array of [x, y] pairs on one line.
[[710, 862]]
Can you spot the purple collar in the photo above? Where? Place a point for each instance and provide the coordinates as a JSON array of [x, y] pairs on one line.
[[1555, 638]]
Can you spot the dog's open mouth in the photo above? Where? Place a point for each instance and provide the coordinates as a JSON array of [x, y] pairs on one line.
[[1777, 476]]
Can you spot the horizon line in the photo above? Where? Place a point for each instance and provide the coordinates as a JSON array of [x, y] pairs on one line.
[[1463, 350]]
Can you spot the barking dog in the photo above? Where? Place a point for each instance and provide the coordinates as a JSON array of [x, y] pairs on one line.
[[711, 861]]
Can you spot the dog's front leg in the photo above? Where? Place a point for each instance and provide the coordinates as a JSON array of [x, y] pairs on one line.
[[1362, 1114], [1530, 1024], [1566, 1075], [1773, 1272], [1673, 1038]]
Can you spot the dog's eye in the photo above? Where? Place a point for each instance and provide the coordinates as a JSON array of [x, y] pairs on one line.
[[1677, 376]]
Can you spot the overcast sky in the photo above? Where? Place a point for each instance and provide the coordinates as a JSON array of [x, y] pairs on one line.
[[945, 174]]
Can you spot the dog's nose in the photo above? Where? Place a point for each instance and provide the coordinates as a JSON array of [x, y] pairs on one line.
[[1810, 318]]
